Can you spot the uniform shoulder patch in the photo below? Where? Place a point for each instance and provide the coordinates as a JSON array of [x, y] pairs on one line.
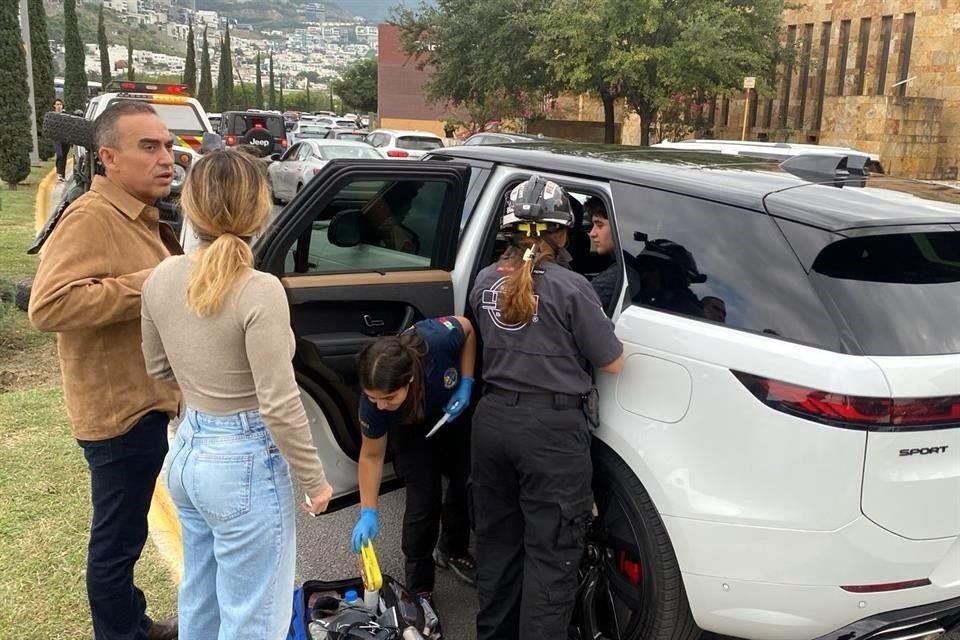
[[447, 323], [450, 378]]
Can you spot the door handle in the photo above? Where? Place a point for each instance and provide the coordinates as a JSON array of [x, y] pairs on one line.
[[371, 321]]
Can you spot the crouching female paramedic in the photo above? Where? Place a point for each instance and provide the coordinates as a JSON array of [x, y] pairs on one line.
[[542, 327], [409, 382]]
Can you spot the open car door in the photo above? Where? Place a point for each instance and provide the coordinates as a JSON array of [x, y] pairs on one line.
[[363, 251]]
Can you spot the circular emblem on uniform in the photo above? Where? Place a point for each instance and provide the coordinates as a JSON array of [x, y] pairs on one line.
[[490, 302], [450, 378]]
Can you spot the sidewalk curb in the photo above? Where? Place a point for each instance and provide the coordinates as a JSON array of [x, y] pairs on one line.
[[40, 213], [165, 529]]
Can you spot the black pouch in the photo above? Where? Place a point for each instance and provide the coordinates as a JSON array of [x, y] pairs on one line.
[[591, 407]]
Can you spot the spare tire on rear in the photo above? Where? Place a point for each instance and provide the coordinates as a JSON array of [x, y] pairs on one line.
[[23, 293], [260, 139], [63, 127]]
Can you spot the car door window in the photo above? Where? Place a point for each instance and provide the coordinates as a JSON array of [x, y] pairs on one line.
[[373, 225], [291, 153], [304, 153], [715, 262]]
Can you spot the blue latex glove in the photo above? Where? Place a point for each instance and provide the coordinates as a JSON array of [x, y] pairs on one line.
[[366, 528], [460, 399]]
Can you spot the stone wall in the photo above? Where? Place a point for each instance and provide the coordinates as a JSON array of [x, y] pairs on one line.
[[826, 96]]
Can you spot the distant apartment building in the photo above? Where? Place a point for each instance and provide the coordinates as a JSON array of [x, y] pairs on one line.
[[879, 75], [123, 6]]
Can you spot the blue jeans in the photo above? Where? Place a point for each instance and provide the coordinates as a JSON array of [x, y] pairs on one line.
[[235, 501]]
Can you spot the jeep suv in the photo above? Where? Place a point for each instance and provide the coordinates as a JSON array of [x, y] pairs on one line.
[[780, 457], [263, 130]]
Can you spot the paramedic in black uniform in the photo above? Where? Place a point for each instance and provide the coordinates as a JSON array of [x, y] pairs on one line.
[[542, 328], [408, 382]]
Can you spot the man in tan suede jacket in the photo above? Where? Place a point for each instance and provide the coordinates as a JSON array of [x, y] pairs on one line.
[[87, 290]]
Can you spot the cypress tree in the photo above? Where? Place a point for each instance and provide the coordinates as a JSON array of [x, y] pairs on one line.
[[131, 74], [205, 91], [271, 97], [258, 92], [225, 79], [15, 144], [74, 76], [190, 66], [43, 90], [281, 92], [104, 51]]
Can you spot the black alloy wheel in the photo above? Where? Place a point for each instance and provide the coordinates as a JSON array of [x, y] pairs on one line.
[[630, 583]]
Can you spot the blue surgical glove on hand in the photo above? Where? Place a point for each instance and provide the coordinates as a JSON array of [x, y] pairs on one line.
[[366, 528], [460, 399]]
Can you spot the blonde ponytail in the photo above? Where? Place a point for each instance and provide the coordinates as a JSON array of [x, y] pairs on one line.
[[227, 200], [217, 271]]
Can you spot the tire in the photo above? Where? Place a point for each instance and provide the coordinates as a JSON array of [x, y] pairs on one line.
[[628, 533], [260, 139], [63, 127], [23, 294]]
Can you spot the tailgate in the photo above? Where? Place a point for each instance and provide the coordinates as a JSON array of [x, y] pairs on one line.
[[911, 478]]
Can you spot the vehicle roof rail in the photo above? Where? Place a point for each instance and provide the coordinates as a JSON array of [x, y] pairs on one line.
[[843, 170]]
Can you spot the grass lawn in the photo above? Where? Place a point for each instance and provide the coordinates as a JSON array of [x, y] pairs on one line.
[[44, 483]]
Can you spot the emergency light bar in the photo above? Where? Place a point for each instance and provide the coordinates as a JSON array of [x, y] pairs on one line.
[[126, 86]]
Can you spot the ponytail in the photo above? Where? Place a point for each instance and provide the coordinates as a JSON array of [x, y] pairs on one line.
[[220, 265], [518, 302]]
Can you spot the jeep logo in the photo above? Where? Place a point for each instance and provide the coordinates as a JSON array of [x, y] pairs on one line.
[[261, 143], [923, 452]]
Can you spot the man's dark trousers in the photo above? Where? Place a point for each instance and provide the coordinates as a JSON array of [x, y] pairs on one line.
[[422, 464], [123, 473]]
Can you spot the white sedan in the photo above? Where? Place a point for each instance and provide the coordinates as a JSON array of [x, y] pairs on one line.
[[295, 168]]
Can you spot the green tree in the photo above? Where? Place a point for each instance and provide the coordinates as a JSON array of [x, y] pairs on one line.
[[225, 78], [190, 66], [205, 91], [480, 53], [358, 87], [15, 144], [43, 90], [686, 47], [104, 51], [74, 76], [131, 73], [258, 91], [271, 95]]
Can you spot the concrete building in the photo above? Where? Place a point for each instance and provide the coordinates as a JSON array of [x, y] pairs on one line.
[[879, 75]]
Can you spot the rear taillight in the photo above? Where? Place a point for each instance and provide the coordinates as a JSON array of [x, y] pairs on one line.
[[887, 586], [283, 142], [852, 411], [397, 153], [231, 140]]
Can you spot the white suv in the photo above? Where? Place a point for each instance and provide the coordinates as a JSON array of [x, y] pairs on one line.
[[780, 457], [405, 145]]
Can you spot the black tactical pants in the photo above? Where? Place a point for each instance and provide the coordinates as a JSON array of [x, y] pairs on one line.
[[422, 463], [531, 477]]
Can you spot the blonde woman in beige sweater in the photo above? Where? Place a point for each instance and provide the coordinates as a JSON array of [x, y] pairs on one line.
[[222, 330]]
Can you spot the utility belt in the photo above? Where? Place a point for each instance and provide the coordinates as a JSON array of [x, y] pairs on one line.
[[587, 402]]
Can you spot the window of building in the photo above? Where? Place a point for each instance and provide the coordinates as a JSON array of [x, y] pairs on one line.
[[688, 258], [863, 48], [842, 53], [903, 70], [788, 76], [825, 30], [886, 34], [804, 73]]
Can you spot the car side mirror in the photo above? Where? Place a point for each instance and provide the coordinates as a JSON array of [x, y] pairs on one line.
[[211, 142], [346, 228]]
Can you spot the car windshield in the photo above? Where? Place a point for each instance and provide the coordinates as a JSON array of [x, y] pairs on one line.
[[179, 118], [346, 122], [899, 294], [418, 143], [358, 152]]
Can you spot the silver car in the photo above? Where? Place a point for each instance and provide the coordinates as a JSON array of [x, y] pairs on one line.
[[289, 172]]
